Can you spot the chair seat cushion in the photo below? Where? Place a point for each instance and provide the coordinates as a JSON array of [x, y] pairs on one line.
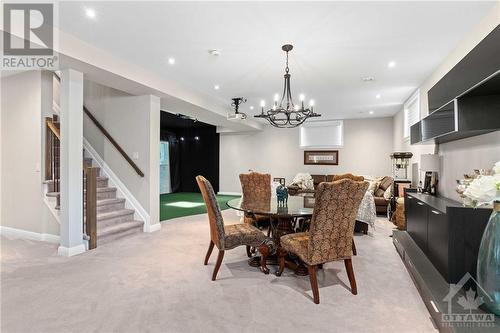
[[296, 243], [243, 234]]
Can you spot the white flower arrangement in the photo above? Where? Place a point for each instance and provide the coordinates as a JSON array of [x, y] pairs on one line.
[[484, 189]]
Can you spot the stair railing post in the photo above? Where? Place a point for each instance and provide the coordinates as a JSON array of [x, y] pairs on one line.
[[91, 206]]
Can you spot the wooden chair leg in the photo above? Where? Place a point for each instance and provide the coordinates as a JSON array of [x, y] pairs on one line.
[[314, 282], [350, 275], [354, 252], [264, 252], [209, 252], [281, 260], [249, 252], [217, 264]]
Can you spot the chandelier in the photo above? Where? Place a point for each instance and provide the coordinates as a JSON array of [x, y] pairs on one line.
[[286, 114]]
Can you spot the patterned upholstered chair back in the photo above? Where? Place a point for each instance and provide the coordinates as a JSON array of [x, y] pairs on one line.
[[256, 186], [333, 220], [214, 213], [348, 176]]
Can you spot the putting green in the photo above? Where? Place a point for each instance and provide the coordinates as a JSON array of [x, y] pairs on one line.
[[180, 204]]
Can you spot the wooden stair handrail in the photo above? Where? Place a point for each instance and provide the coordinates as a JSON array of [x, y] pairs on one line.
[[53, 128], [113, 142], [109, 137]]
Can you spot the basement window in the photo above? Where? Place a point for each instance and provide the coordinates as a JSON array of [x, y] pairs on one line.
[[411, 113]]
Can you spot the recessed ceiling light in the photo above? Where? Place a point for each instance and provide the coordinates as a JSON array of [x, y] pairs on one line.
[[171, 61], [197, 138], [182, 138], [368, 79], [377, 96], [391, 64], [370, 112], [251, 107], [214, 52], [90, 13], [216, 87]]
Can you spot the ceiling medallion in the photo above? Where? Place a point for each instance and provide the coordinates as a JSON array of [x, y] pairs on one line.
[[286, 114]]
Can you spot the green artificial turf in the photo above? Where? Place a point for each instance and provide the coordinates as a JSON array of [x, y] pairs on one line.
[[180, 204]]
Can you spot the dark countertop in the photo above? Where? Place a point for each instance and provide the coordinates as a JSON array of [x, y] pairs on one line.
[[436, 202]]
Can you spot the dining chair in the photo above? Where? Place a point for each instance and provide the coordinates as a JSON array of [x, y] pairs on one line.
[[331, 231], [348, 176], [357, 179], [227, 237], [256, 186]]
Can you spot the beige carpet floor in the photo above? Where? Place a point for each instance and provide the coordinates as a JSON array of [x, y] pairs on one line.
[[157, 283]]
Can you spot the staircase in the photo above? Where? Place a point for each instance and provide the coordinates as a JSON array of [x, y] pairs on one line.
[[114, 220]]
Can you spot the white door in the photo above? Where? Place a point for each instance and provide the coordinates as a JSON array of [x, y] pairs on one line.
[[164, 168]]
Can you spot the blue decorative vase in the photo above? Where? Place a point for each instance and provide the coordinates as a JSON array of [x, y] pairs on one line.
[[282, 195], [488, 263]]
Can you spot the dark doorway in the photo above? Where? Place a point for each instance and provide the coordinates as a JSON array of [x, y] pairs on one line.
[[193, 150]]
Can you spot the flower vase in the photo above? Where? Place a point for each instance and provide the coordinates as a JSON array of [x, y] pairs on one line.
[[488, 263]]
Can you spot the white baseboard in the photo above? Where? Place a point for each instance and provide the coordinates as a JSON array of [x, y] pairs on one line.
[[122, 189], [152, 227], [70, 251], [25, 234], [230, 193]]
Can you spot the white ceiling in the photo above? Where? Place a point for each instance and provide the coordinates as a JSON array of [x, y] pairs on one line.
[[335, 45]]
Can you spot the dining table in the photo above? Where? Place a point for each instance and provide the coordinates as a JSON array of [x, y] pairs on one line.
[[285, 218]]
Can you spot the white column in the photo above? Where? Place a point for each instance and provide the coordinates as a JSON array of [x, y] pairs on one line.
[[154, 166], [71, 187]]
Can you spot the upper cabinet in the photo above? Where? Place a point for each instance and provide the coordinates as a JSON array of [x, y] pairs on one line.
[[466, 101], [479, 64]]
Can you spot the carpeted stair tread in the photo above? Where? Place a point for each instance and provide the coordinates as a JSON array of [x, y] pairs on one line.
[[113, 214], [104, 202], [117, 229]]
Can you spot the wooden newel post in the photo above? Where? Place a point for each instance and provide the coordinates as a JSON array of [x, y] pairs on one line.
[[91, 206]]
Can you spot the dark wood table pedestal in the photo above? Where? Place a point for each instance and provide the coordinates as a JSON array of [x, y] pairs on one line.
[[282, 226]]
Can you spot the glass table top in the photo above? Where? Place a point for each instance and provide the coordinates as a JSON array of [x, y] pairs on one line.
[[297, 206]]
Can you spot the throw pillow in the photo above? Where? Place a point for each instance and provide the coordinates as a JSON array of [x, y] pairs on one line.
[[373, 185], [387, 193]]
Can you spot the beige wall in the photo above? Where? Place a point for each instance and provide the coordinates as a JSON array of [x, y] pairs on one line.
[[130, 120], [462, 156], [21, 154], [367, 146]]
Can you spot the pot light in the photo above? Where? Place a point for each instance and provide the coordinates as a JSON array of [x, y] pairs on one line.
[[216, 87], [182, 138], [391, 64], [377, 96], [251, 107], [90, 13], [197, 138], [371, 112], [214, 52], [171, 61]]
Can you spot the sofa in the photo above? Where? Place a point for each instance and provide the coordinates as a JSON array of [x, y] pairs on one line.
[[380, 201], [295, 190]]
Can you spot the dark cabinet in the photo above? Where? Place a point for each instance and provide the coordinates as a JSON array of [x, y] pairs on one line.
[[447, 233], [417, 222], [479, 64], [438, 241]]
